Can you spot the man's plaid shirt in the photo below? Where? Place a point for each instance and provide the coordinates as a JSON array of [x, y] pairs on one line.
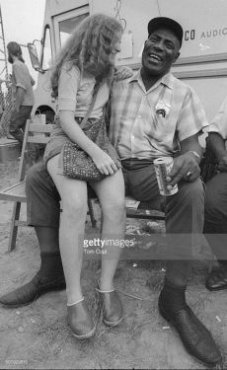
[[149, 124]]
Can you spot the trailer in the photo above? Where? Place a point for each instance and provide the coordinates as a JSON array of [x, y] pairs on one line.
[[202, 63]]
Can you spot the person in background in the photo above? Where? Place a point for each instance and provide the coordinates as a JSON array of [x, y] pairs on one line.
[[215, 226], [23, 92], [153, 114]]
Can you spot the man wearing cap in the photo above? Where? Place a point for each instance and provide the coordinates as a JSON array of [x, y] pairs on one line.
[[153, 115]]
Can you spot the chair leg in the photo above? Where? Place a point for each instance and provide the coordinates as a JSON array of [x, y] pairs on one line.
[[14, 227], [91, 213]]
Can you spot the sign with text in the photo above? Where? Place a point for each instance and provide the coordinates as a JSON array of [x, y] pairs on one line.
[[204, 23]]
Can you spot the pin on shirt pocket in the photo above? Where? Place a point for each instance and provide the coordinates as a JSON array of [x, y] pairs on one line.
[[162, 109]]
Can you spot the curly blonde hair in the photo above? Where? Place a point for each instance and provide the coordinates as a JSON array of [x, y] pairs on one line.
[[89, 48]]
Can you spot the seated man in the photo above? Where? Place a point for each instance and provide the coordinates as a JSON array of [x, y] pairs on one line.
[[153, 115], [215, 226]]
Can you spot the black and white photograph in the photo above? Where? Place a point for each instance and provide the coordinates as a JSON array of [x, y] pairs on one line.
[[113, 184]]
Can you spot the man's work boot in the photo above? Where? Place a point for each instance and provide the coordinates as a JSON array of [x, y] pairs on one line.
[[32, 290], [195, 336], [50, 277]]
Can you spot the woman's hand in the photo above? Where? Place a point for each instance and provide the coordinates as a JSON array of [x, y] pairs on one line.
[[104, 162]]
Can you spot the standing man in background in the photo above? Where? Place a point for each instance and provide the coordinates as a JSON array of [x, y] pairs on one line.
[[23, 96]]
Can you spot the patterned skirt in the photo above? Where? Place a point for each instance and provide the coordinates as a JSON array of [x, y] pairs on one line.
[[58, 138]]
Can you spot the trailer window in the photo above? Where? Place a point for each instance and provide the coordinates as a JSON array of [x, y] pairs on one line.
[[67, 26]]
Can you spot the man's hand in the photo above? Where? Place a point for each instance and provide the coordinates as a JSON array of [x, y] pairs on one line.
[[222, 164], [185, 167]]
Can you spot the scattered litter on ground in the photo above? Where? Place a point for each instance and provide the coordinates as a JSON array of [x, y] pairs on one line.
[[152, 227], [131, 229]]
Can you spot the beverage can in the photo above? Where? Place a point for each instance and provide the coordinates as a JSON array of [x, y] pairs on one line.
[[163, 167]]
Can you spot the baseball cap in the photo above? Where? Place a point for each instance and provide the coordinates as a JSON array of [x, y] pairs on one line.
[[168, 23]]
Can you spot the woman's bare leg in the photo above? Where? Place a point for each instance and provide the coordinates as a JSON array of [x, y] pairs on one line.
[[111, 194], [73, 195]]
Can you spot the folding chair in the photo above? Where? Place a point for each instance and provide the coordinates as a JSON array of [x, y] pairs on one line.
[[35, 133]]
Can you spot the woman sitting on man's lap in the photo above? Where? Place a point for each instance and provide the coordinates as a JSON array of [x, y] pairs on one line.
[[87, 59]]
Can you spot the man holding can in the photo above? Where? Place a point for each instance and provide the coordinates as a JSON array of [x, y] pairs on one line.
[[153, 115]]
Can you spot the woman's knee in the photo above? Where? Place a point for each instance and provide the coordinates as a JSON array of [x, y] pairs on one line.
[[111, 194], [74, 206], [114, 209]]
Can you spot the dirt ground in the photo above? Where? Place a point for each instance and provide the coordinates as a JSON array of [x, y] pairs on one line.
[[37, 337]]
